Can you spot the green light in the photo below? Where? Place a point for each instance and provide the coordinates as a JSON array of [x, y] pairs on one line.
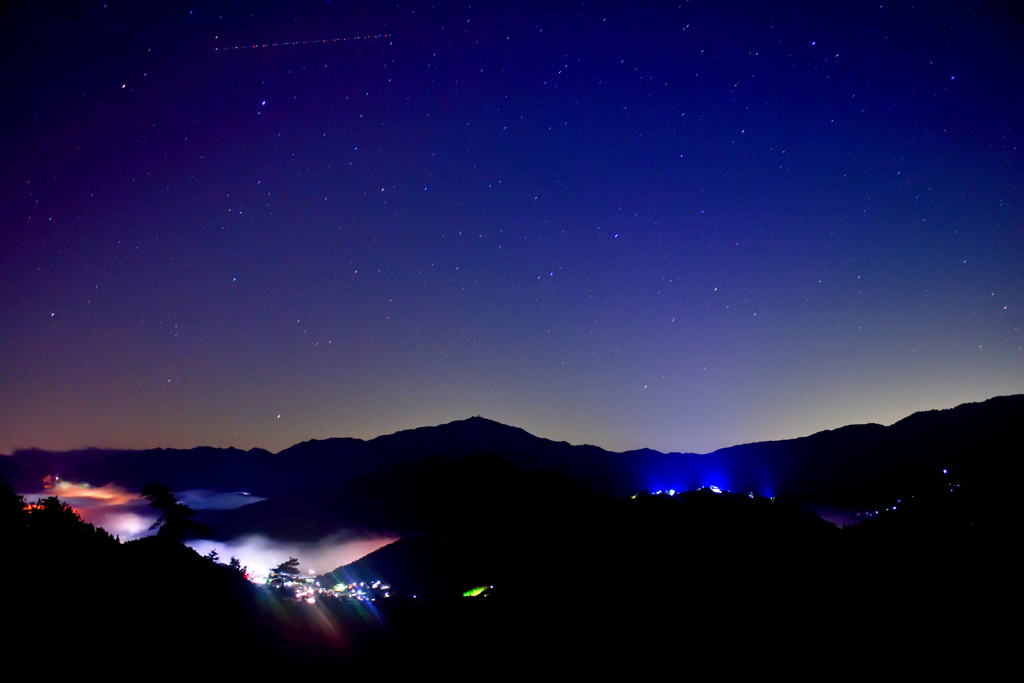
[[473, 592]]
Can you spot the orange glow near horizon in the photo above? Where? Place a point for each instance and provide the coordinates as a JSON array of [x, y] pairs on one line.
[[108, 494]]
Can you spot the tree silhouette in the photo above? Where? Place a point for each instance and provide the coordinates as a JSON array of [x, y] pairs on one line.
[[55, 525], [286, 571], [175, 519], [53, 516], [236, 564]]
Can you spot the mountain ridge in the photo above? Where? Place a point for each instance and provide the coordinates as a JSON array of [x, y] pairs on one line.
[[854, 467], [470, 420]]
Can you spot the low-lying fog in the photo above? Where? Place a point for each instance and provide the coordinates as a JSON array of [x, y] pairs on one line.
[[127, 515], [261, 554]]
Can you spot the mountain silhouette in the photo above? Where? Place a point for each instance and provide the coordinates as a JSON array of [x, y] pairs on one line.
[[318, 486]]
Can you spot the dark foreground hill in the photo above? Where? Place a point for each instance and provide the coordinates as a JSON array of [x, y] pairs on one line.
[[699, 583], [583, 585], [571, 543]]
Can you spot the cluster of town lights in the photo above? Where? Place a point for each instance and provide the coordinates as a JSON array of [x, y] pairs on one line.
[[309, 589]]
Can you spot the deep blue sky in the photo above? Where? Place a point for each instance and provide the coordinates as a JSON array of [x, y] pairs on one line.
[[680, 226]]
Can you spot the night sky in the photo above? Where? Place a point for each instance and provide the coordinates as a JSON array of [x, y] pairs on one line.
[[681, 226]]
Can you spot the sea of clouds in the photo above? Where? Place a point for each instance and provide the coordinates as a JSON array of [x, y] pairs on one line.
[[127, 515]]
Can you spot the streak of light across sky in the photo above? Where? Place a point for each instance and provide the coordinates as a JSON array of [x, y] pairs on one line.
[[302, 42]]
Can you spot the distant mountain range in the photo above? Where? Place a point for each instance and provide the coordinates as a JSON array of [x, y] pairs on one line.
[[395, 482]]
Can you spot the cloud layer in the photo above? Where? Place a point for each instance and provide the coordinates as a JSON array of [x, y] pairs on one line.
[[259, 553]]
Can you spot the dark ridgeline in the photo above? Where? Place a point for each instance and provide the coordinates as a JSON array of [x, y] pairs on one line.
[[177, 469], [865, 467], [317, 487]]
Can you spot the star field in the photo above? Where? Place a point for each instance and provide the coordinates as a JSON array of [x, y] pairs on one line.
[[682, 226]]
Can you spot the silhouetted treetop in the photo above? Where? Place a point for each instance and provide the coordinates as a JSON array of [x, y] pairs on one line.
[[175, 519], [285, 571]]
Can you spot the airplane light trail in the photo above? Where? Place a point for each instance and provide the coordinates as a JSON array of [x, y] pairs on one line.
[[301, 42]]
